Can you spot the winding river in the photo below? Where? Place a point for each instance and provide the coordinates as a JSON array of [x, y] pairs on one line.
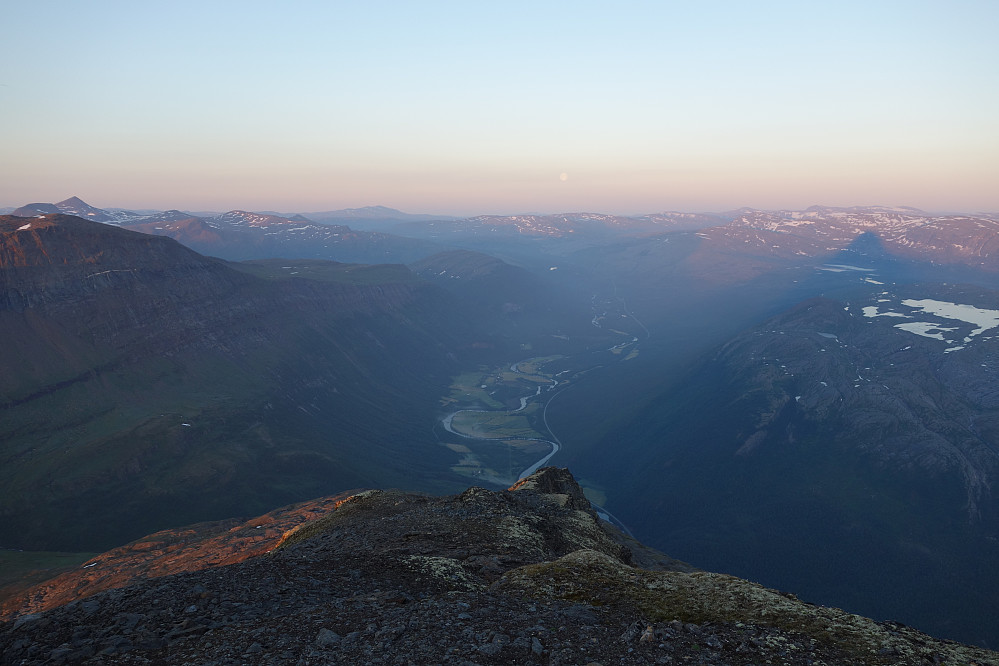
[[554, 442], [555, 445]]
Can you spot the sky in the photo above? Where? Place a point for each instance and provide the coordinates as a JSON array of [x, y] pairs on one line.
[[502, 107]]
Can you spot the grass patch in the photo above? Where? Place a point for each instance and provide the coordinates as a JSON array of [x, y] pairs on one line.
[[595, 496], [499, 462], [325, 271], [493, 425], [700, 597], [532, 366], [20, 569], [499, 387], [474, 388]]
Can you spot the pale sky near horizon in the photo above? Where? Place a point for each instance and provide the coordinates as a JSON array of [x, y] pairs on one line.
[[472, 107]]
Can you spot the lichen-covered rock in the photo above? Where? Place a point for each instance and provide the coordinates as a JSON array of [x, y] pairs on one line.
[[701, 597]]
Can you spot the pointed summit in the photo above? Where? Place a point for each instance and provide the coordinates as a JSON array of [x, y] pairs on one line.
[[79, 207], [74, 202]]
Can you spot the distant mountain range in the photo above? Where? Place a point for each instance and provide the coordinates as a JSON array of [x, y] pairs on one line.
[[565, 225], [754, 240], [905, 233], [239, 235], [78, 207]]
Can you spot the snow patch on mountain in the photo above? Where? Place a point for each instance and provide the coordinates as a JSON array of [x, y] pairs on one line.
[[941, 315]]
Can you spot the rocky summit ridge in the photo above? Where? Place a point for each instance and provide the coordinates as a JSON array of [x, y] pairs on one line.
[[529, 575]]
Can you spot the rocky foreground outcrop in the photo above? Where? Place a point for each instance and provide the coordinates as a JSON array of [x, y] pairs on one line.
[[191, 548], [524, 576]]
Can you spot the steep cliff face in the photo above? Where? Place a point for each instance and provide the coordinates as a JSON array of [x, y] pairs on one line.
[[528, 575], [152, 386], [118, 288]]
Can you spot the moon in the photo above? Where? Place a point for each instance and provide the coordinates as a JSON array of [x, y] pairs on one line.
[[563, 176]]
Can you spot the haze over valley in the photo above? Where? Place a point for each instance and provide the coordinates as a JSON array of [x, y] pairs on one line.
[[803, 398]]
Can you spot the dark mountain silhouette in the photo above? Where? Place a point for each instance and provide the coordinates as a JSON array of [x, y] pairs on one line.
[[149, 385], [36, 209], [840, 449], [372, 218], [521, 304]]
